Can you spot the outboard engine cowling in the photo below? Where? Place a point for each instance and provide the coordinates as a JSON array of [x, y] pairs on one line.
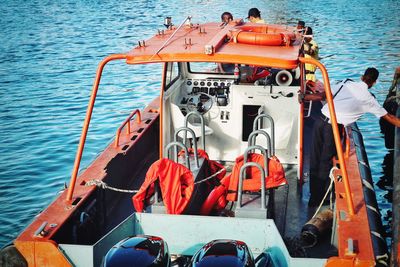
[[223, 252], [139, 250]]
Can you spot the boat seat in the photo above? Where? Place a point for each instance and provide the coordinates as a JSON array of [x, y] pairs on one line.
[[178, 120]]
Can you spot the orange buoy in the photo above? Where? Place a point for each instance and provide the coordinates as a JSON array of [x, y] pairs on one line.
[[273, 39], [263, 35]]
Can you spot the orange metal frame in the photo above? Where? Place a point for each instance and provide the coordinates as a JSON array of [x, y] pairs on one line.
[[336, 135], [223, 53], [161, 136], [85, 128], [127, 122]]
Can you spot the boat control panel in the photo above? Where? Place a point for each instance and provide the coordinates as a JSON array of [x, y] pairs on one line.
[[218, 89]]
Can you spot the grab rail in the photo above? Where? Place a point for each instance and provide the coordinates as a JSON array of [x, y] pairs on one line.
[[263, 151], [252, 140], [262, 175], [176, 143], [187, 129], [202, 125], [335, 128], [85, 128], [256, 123], [127, 121]]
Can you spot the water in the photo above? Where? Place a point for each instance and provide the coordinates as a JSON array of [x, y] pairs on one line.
[[50, 51]]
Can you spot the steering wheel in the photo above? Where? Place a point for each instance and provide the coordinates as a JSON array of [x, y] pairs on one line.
[[200, 102]]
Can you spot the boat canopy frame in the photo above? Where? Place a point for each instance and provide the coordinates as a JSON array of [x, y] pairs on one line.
[[192, 44]]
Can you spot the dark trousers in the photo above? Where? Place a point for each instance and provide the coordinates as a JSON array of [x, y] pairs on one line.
[[322, 150]]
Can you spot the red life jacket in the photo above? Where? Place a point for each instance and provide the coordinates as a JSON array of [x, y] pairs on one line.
[[176, 183], [275, 178]]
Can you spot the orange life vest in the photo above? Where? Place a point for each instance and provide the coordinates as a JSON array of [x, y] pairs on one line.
[[176, 183], [275, 178]]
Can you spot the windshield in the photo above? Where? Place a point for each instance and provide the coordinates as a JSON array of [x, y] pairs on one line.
[[211, 67]]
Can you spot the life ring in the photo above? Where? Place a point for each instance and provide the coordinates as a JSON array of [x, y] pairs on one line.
[[263, 35], [255, 38], [217, 198], [255, 28]]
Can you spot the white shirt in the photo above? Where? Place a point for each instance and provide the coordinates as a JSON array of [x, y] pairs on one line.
[[353, 101]]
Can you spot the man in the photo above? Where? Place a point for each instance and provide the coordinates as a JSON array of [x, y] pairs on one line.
[[254, 15], [226, 17], [311, 50], [351, 101], [301, 25]]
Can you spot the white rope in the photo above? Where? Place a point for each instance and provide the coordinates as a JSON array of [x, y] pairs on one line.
[[332, 178], [103, 185], [209, 177]]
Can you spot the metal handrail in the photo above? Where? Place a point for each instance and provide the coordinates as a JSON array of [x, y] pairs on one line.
[[335, 128], [187, 129], [252, 140], [202, 125], [262, 175], [85, 128], [263, 151], [256, 124], [127, 121], [176, 143]]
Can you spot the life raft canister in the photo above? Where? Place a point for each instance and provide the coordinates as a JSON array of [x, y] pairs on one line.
[[263, 35]]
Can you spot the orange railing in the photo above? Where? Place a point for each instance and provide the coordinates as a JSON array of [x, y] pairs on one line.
[[336, 135], [161, 136], [128, 129], [85, 128]]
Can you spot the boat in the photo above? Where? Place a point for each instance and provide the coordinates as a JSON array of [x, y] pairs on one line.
[[214, 169]]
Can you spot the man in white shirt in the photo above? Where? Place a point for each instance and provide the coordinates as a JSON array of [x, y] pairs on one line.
[[351, 100]]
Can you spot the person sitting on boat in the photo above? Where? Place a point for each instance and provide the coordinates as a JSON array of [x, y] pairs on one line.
[[351, 100], [310, 49], [301, 25], [226, 17], [254, 15]]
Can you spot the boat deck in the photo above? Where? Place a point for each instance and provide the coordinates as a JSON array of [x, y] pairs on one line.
[[290, 210], [295, 203]]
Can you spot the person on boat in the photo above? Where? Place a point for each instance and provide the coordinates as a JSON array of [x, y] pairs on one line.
[[254, 15], [351, 100], [301, 25], [226, 17], [310, 49]]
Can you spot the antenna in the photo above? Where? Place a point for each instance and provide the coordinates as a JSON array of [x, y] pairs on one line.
[[172, 35]]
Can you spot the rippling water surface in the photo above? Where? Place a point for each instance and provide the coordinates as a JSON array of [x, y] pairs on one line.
[[49, 55]]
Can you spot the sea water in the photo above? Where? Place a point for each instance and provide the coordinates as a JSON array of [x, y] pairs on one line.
[[50, 51]]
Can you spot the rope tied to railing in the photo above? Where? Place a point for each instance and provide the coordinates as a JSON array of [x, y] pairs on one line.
[[103, 185], [210, 177]]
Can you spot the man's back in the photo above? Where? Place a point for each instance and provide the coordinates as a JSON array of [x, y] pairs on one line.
[[352, 101]]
